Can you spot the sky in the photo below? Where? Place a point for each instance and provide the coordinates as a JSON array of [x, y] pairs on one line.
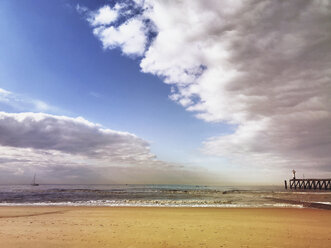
[[134, 91]]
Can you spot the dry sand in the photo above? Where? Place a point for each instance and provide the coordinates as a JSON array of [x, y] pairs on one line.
[[163, 227]]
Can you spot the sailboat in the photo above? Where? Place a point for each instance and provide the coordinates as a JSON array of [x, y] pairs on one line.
[[34, 181]]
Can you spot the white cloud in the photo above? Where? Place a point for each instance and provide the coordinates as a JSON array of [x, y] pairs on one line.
[[104, 16], [130, 36], [4, 93], [23, 103], [81, 9], [261, 65]]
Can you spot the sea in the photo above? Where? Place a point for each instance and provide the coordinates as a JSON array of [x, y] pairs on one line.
[[158, 196]]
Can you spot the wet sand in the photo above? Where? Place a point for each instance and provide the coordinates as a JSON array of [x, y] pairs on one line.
[[133, 227]]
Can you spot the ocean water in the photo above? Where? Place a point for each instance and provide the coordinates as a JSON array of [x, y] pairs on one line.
[[154, 196]]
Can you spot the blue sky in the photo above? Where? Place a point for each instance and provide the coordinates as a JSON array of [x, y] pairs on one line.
[[49, 54], [221, 94]]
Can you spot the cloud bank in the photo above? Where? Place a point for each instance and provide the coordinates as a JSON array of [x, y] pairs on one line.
[[263, 66], [62, 149], [71, 136]]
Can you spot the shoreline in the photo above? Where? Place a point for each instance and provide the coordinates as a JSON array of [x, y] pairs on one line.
[[278, 203], [154, 227]]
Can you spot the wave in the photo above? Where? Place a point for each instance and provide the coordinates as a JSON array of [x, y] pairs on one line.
[[127, 203]]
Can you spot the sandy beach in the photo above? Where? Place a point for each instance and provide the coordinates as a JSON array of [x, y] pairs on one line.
[[163, 227]]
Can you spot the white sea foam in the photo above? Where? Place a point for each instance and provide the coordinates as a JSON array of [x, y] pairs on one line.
[[327, 203], [310, 192], [153, 204]]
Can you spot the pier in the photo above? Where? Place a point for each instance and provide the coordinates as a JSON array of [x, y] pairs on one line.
[[316, 184], [312, 183]]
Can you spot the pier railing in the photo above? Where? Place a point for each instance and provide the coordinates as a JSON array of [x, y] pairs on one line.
[[316, 184]]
